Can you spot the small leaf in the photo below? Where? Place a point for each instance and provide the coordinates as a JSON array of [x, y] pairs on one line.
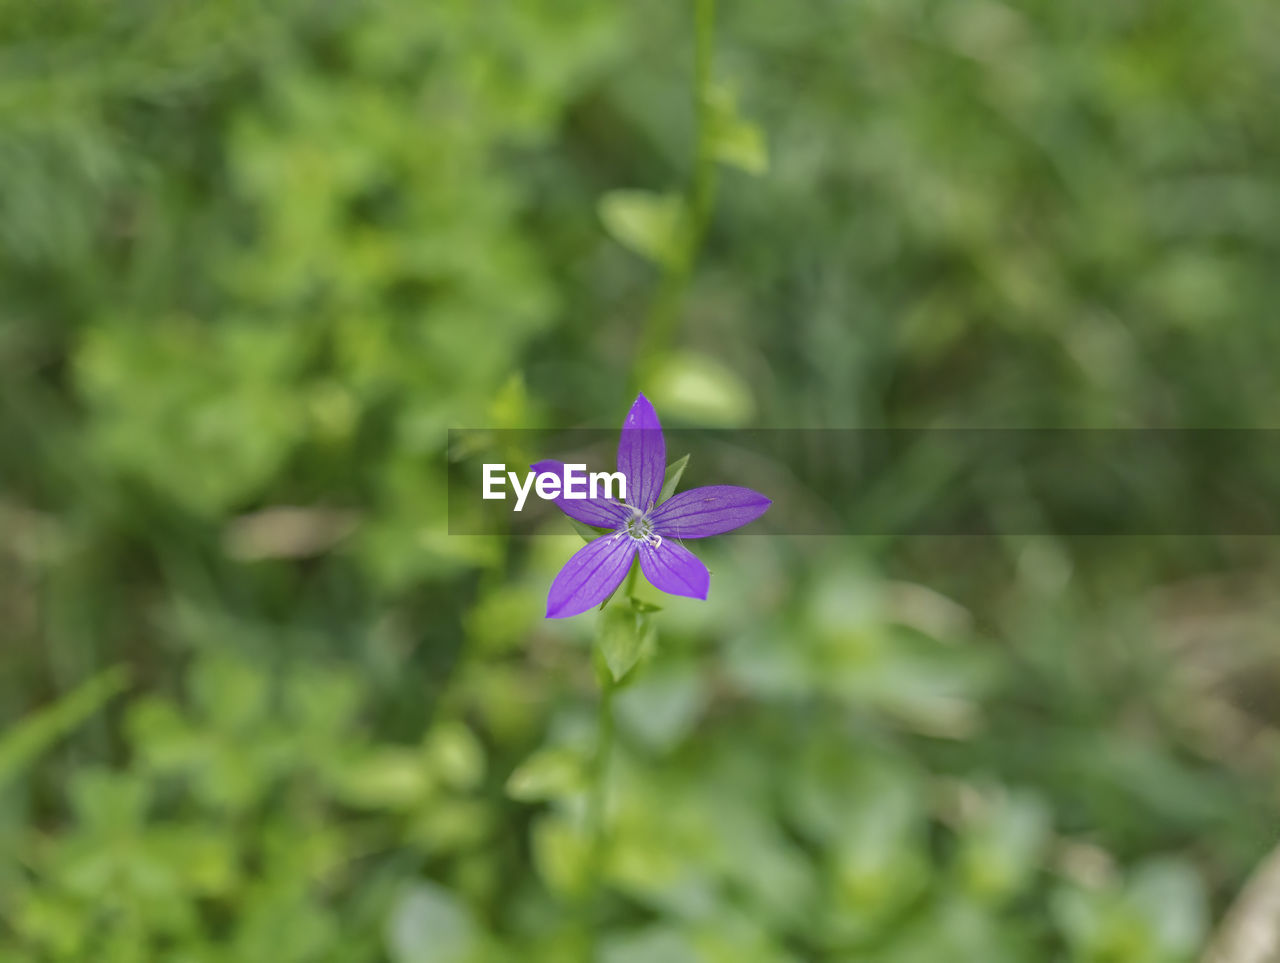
[[1002, 847], [562, 854], [702, 389], [389, 778], [672, 479], [456, 755], [625, 633], [735, 140], [550, 773], [586, 532], [649, 224]]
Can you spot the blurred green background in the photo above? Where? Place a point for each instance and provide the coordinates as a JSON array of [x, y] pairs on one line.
[[256, 705]]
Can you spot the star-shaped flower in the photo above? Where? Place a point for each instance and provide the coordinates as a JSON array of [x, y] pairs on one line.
[[642, 525]]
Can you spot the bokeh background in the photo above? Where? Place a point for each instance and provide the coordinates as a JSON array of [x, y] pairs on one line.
[[257, 705]]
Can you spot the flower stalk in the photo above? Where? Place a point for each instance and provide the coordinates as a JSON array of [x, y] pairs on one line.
[[597, 801]]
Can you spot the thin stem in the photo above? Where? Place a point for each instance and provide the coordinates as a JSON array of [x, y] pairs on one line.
[[597, 801], [663, 318], [596, 824]]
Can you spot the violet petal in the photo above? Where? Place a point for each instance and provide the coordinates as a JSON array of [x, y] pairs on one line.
[[675, 570], [590, 575], [600, 512], [642, 454], [713, 510]]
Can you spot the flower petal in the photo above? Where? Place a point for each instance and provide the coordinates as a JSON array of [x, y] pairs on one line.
[[712, 510], [642, 454], [674, 569], [590, 575], [600, 512]]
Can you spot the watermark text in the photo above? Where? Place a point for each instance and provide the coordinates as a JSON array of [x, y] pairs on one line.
[[577, 484]]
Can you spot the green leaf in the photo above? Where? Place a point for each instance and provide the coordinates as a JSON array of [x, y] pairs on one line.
[[649, 224], [586, 532], [455, 755], [389, 778], [37, 733], [1001, 850], [701, 389], [1169, 893], [625, 634], [672, 479], [550, 773], [429, 924], [561, 853], [735, 140]]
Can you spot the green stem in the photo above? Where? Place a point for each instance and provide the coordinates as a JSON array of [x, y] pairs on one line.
[[663, 318], [596, 823], [597, 801]]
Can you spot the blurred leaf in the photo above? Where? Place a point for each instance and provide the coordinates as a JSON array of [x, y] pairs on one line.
[[561, 852], [657, 944], [954, 928], [231, 692], [1002, 849], [109, 802], [451, 826], [429, 924], [511, 404], [649, 224], [322, 701], [388, 777], [1171, 894], [456, 755], [700, 389], [550, 773], [163, 738], [37, 733], [735, 140]]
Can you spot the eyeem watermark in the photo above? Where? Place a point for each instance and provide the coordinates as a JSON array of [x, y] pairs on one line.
[[577, 484]]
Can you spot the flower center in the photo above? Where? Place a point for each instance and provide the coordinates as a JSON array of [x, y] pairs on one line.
[[640, 528]]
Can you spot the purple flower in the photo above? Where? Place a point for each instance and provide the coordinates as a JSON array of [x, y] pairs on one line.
[[641, 525]]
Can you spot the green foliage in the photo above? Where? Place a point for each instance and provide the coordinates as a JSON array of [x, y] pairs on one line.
[[24, 743], [256, 804], [253, 264]]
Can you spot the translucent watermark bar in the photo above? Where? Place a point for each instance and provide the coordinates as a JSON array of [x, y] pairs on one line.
[[902, 482]]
